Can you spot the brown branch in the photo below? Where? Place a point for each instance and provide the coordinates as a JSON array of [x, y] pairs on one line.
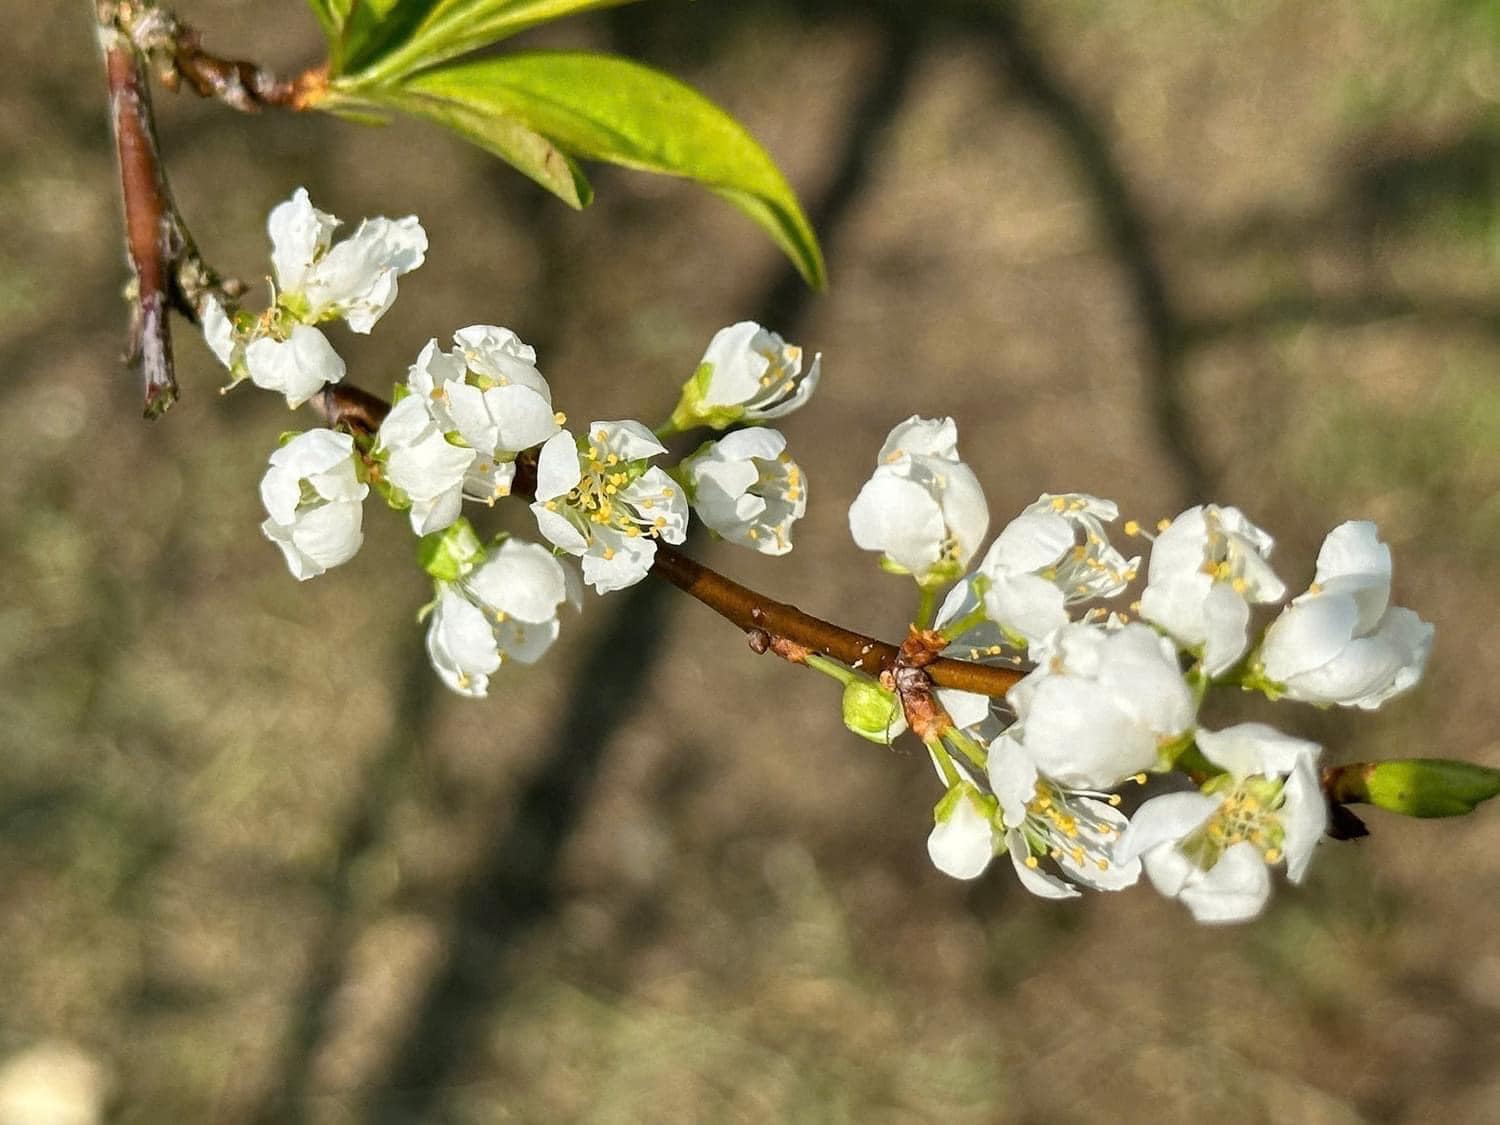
[[360, 411], [167, 270], [178, 51]]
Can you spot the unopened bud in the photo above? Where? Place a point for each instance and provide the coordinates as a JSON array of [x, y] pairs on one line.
[[872, 712]]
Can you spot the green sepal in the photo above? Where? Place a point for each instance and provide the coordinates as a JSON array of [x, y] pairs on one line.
[[398, 392], [943, 810], [450, 554], [1422, 787], [691, 411]]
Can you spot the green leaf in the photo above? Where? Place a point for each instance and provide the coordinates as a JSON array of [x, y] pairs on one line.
[[393, 38], [601, 108], [525, 150], [1424, 787], [331, 15]]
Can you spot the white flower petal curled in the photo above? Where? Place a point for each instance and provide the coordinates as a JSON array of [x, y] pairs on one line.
[[599, 499], [1053, 555], [1212, 849], [421, 462], [962, 841], [1342, 642], [506, 609], [297, 367], [219, 333], [354, 279], [746, 488], [923, 509], [313, 496], [1207, 568], [1103, 705], [746, 374], [1076, 831]]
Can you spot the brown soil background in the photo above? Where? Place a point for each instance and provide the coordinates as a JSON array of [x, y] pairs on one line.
[[260, 866]]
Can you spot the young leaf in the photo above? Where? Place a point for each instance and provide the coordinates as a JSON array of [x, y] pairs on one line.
[[525, 150], [602, 108], [331, 15], [408, 35]]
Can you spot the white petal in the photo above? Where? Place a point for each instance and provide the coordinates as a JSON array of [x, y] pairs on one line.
[[627, 564], [557, 468], [1077, 735], [1304, 817], [524, 418], [1028, 543], [1307, 635], [737, 366], [901, 519], [1235, 889], [965, 510], [329, 535], [1161, 822], [962, 845], [299, 233], [753, 441], [1034, 879], [522, 580], [1249, 749], [1013, 776], [1026, 604], [559, 530], [218, 331], [297, 367], [628, 438], [1226, 623], [918, 436]]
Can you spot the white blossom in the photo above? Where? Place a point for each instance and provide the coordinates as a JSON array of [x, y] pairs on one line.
[[1103, 704], [313, 494], [355, 279], [1342, 641], [747, 374], [923, 509], [1076, 830], [1207, 568], [600, 500], [962, 841], [747, 488], [298, 366], [220, 335], [1053, 555], [489, 393], [1211, 849], [420, 462], [505, 609]]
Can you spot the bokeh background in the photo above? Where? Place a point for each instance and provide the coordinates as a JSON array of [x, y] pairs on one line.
[[258, 866]]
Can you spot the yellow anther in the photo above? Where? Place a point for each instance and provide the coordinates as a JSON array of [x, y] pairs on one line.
[[1162, 525], [560, 418], [1031, 862]]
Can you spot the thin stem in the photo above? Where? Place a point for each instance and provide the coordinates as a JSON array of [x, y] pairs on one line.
[[926, 607]]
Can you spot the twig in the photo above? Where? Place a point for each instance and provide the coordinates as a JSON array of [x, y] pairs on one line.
[[168, 272], [178, 50]]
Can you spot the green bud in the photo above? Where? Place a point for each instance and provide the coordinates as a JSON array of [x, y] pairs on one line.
[[1417, 786], [449, 554], [872, 712]]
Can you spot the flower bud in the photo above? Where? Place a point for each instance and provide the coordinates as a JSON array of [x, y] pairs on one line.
[[872, 712]]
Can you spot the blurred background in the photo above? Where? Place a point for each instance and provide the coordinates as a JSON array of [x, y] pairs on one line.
[[258, 866]]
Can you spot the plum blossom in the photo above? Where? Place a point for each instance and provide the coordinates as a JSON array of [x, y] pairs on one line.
[[313, 494], [747, 374], [923, 509], [1053, 555], [599, 499], [425, 470], [355, 279], [488, 396], [1105, 704], [504, 609], [1208, 567], [1342, 641], [1211, 849], [1076, 830], [314, 281], [963, 838], [746, 488]]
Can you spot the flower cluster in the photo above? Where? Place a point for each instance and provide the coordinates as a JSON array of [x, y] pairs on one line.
[[467, 421], [1110, 700], [1110, 695]]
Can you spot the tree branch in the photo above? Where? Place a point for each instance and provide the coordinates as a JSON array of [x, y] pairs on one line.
[[167, 270]]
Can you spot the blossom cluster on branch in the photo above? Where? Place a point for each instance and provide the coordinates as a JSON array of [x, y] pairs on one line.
[[1111, 693]]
